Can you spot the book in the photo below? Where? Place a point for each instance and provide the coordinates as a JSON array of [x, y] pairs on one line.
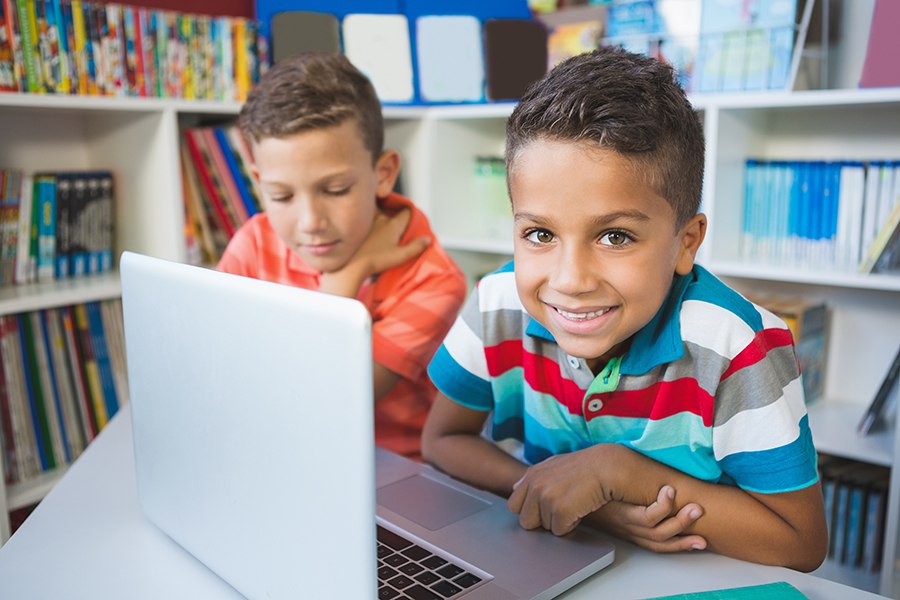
[[79, 380], [35, 394], [780, 590], [111, 311], [28, 36], [238, 176], [84, 341], [45, 207], [885, 246], [202, 166], [46, 375], [101, 357], [60, 368], [876, 408], [223, 176], [7, 431], [880, 65], [8, 82], [29, 462]]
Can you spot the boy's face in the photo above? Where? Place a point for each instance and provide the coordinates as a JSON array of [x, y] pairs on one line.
[[319, 190], [595, 246]]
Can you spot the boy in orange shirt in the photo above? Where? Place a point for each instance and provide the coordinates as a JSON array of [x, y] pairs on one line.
[[331, 223]]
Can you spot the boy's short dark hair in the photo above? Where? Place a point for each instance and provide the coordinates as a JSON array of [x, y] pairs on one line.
[[628, 103], [313, 91]]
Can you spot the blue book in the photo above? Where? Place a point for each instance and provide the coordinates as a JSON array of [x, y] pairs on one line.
[[46, 232], [55, 399], [101, 356], [38, 420], [237, 175]]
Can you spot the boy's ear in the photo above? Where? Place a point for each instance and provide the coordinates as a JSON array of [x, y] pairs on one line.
[[689, 238], [387, 168]]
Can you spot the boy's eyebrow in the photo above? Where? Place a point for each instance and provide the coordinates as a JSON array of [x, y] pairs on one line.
[[599, 221]]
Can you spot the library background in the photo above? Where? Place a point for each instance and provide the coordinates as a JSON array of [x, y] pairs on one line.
[[117, 133]]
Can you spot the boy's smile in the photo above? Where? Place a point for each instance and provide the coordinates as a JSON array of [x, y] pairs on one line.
[[320, 189], [595, 246]]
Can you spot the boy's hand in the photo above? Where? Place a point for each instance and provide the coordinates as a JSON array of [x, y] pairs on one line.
[[380, 251], [560, 491], [652, 527]]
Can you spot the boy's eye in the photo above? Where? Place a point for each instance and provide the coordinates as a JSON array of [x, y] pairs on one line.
[[338, 191], [539, 236], [615, 238], [281, 198]]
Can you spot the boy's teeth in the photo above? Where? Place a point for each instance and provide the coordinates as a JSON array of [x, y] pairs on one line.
[[581, 316]]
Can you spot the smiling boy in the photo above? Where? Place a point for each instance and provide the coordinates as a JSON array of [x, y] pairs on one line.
[[627, 387], [332, 224]]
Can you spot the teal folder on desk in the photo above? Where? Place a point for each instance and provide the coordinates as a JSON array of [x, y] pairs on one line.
[[768, 591]]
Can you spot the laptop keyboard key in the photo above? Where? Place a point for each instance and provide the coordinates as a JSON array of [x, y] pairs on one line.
[[427, 578], [401, 581], [386, 593], [416, 552], [411, 569], [385, 573], [433, 562], [446, 589], [417, 592], [388, 537], [466, 580], [449, 571], [395, 560]]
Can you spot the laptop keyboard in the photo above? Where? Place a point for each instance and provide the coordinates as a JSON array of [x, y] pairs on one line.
[[407, 570]]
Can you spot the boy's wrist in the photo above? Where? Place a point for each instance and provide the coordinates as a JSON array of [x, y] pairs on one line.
[[344, 282]]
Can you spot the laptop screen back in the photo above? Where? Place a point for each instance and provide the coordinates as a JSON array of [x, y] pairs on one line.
[[252, 413]]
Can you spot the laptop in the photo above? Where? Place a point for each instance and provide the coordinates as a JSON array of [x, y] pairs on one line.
[[254, 451]]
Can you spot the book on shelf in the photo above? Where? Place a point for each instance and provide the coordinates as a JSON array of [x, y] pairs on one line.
[[48, 414], [877, 407], [808, 322], [880, 64], [883, 253], [855, 496], [8, 81]]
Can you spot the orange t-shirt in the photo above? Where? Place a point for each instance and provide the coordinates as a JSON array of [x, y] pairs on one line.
[[412, 308]]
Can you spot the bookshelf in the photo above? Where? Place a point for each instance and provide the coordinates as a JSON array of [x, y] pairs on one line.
[[138, 139]]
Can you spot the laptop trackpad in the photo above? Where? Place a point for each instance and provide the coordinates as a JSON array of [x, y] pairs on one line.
[[427, 502]]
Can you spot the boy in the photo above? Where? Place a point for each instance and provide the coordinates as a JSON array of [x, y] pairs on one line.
[[632, 386], [331, 223]]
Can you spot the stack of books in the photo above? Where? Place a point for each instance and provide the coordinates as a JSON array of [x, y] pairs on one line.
[[62, 377], [55, 225]]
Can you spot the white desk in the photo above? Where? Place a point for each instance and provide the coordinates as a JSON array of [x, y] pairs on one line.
[[88, 539]]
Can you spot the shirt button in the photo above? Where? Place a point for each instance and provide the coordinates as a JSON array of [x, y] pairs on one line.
[[595, 405], [573, 362]]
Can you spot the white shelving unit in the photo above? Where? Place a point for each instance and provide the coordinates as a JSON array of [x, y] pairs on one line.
[[138, 140]]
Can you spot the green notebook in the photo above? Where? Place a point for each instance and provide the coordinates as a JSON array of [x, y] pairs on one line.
[[768, 591]]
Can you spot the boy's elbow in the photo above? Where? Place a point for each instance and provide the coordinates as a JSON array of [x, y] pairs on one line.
[[812, 554]]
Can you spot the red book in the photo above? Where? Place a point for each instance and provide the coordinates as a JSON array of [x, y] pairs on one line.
[[203, 167]]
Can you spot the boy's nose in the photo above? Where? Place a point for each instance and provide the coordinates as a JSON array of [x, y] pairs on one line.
[[310, 217], [574, 273]]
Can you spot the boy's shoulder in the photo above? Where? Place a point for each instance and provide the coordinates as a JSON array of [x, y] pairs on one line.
[[719, 302]]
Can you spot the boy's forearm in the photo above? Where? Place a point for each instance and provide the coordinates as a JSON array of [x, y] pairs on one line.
[[734, 522], [476, 461]]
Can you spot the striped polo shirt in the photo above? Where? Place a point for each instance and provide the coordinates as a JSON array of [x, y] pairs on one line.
[[412, 308], [710, 386]]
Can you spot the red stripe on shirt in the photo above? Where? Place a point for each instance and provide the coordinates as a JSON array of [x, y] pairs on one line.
[[660, 400], [542, 374], [765, 340]]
